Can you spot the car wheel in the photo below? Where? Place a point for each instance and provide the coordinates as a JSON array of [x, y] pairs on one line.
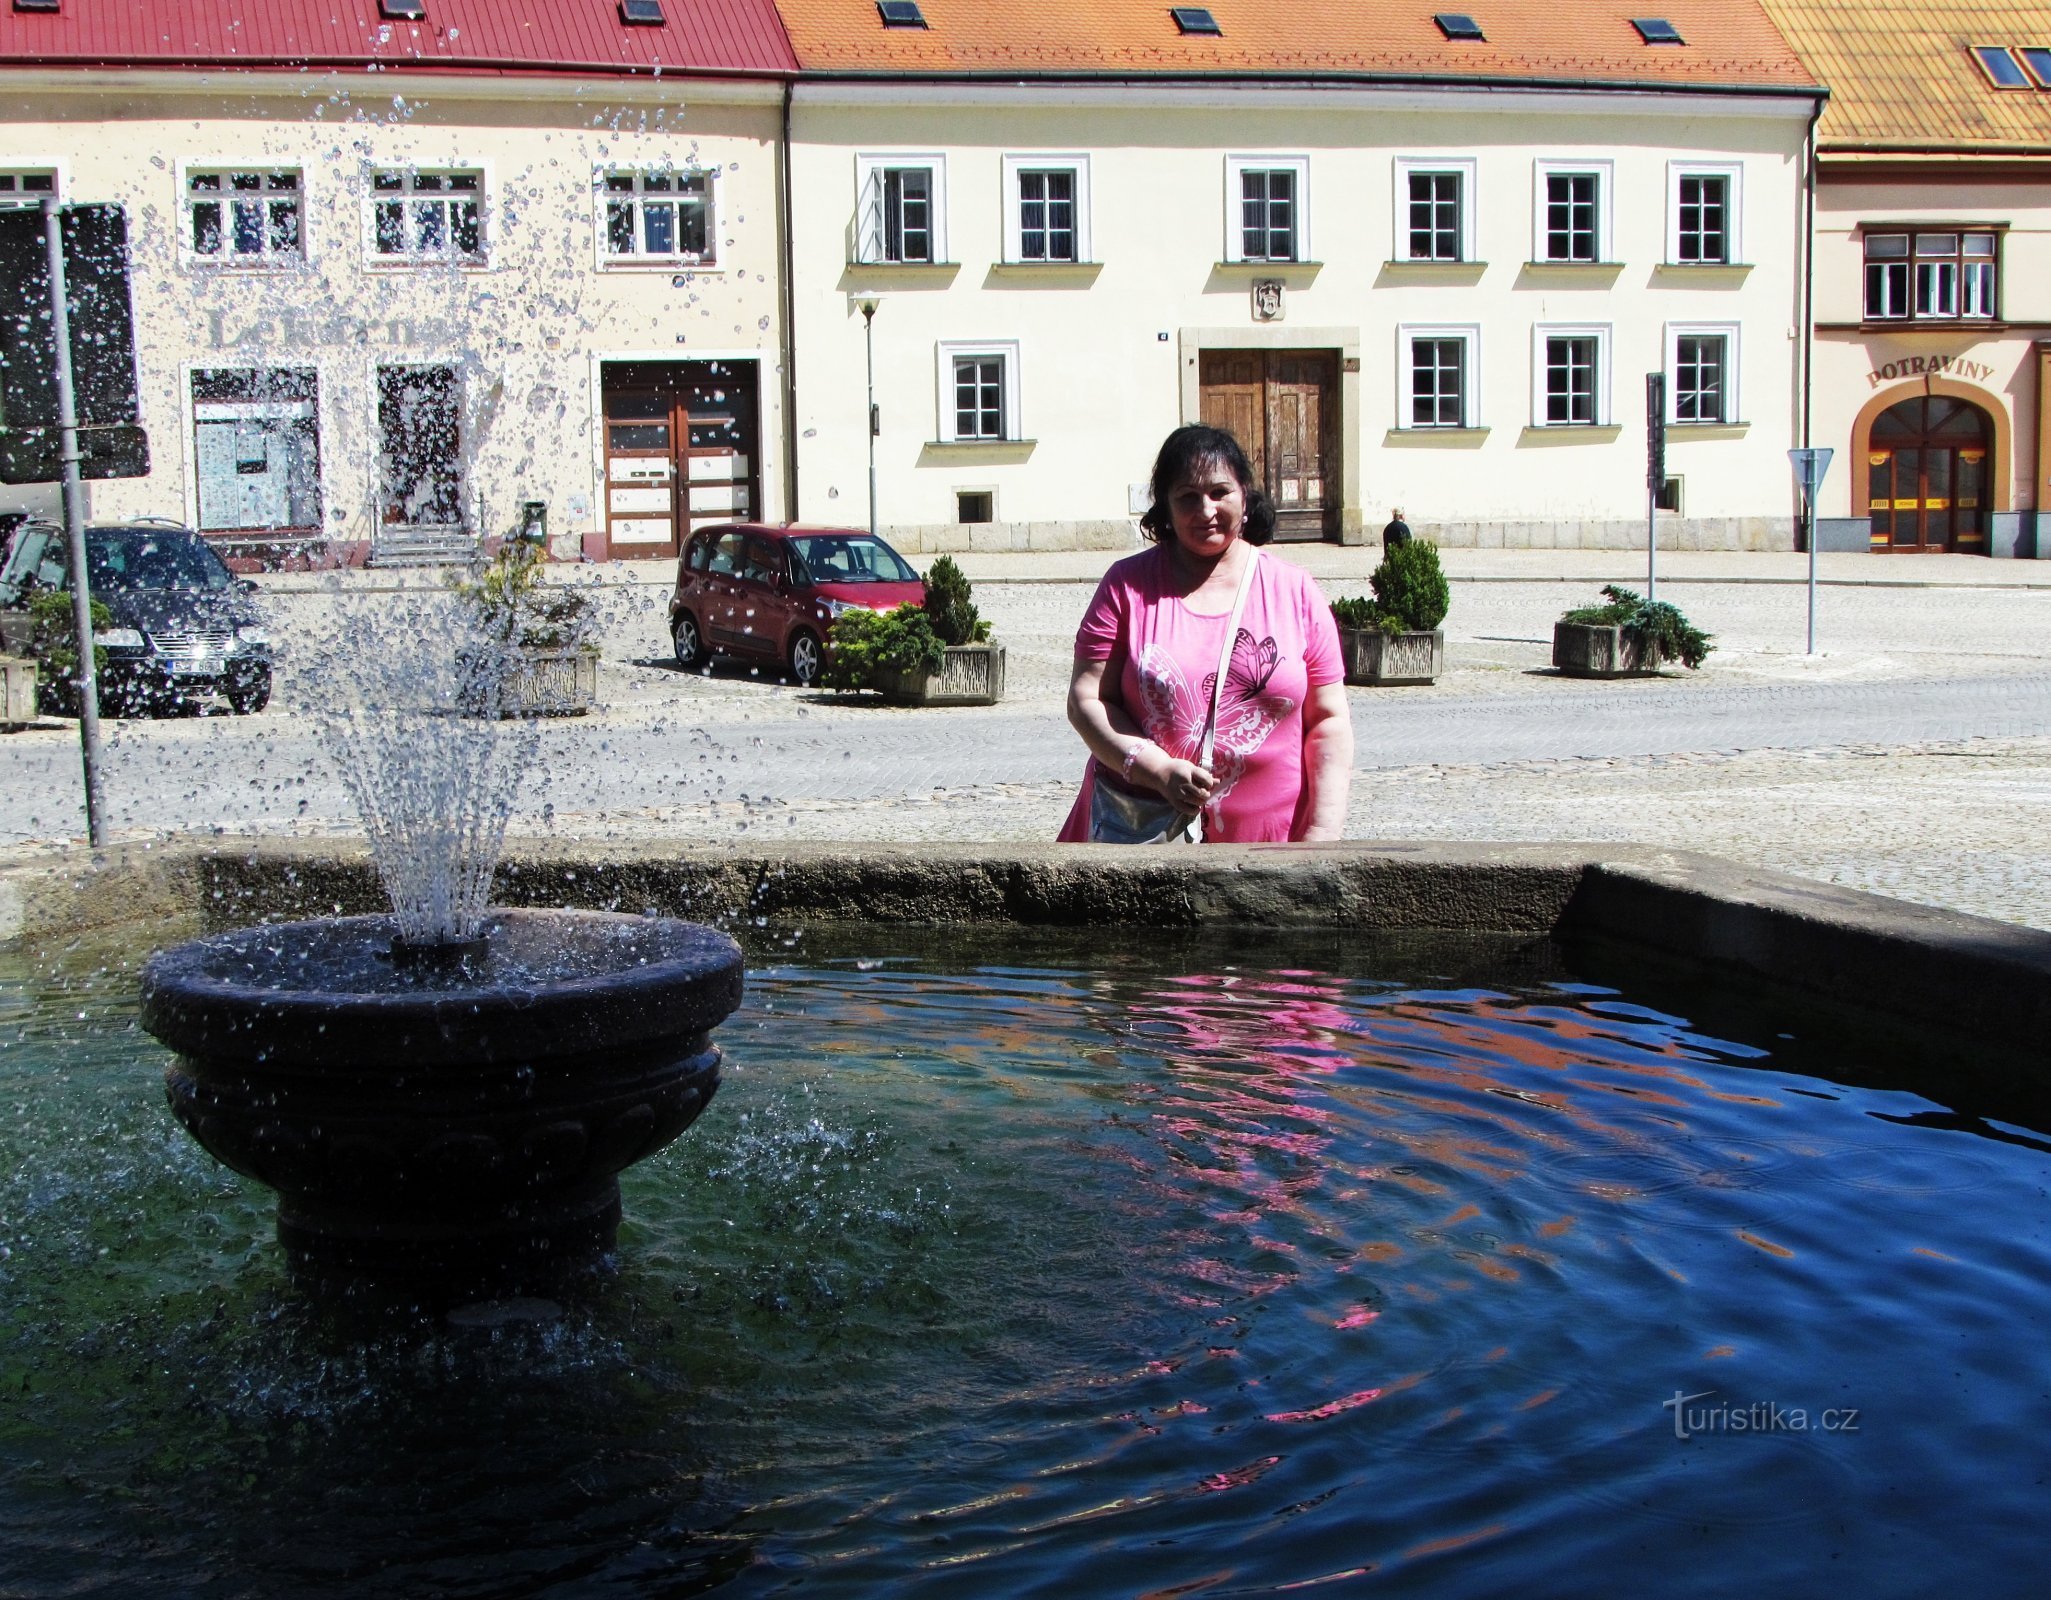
[[683, 633], [252, 695], [806, 658]]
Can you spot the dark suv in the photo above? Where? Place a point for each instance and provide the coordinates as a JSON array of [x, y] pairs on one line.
[[182, 628], [771, 594]]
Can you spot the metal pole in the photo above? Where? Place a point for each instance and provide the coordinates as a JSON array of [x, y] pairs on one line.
[[74, 529], [1651, 545], [869, 356], [1809, 538]]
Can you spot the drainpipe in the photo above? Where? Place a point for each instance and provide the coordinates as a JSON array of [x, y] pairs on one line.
[[1809, 263], [790, 340]]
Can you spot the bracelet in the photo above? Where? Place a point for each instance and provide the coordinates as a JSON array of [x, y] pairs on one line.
[[1132, 755]]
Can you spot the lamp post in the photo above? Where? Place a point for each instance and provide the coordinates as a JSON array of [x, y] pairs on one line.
[[869, 357]]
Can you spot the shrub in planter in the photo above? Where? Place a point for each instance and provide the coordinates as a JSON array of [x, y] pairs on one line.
[[1652, 630], [950, 609], [550, 628], [867, 645], [1394, 638], [53, 646], [1410, 586]]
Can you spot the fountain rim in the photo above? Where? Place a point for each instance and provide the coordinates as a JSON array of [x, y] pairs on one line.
[[208, 1015]]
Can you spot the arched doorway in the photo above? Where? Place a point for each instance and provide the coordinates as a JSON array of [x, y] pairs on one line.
[[1929, 475]]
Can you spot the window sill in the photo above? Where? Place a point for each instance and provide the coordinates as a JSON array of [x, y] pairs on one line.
[[904, 266], [1571, 432], [980, 444], [274, 265], [1441, 271], [1434, 438], [1256, 268], [652, 264], [1734, 271], [1589, 267], [1081, 271], [427, 264], [1925, 325], [1708, 430]]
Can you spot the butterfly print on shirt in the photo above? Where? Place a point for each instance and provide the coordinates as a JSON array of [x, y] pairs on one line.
[[1173, 714]]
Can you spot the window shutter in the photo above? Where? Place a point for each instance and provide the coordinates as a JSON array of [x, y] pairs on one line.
[[869, 217]]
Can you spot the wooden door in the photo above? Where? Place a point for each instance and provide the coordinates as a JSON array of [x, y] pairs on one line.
[[681, 451], [1282, 406]]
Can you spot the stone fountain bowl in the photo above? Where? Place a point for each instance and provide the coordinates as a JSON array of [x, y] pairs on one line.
[[461, 1124]]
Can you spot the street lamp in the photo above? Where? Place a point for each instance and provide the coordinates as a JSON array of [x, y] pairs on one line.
[[869, 355]]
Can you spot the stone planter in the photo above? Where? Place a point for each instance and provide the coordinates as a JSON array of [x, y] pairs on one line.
[[17, 691], [552, 683], [970, 675], [1593, 650], [1373, 656]]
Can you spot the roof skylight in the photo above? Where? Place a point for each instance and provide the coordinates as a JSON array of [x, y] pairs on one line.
[[1194, 19], [1458, 25], [2038, 59], [642, 13], [1657, 30], [402, 10], [2000, 67], [900, 13], [35, 5]]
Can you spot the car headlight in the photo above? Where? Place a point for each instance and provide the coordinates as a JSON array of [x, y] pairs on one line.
[[121, 638], [835, 608], [252, 635]]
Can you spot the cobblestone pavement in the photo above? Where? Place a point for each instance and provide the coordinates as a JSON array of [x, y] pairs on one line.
[[1912, 757]]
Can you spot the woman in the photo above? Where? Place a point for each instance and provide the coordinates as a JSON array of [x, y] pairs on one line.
[[1147, 653]]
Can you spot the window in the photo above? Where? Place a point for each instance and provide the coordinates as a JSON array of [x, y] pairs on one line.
[[1702, 220], [903, 209], [1657, 30], [2038, 59], [1047, 208], [1571, 377], [1948, 276], [659, 217], [1434, 208], [252, 218], [900, 13], [1570, 217], [1458, 25], [420, 427], [978, 393], [427, 216], [1194, 19], [2000, 67], [20, 188], [1702, 373], [975, 505], [1264, 200], [256, 449], [1437, 376]]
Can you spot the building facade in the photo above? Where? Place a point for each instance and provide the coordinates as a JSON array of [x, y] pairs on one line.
[[401, 286], [1933, 275], [1413, 261]]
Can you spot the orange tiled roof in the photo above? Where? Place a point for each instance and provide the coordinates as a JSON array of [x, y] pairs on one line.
[[1901, 77], [1730, 43]]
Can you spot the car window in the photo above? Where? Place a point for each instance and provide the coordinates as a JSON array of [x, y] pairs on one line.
[[850, 558], [25, 561], [763, 561], [138, 558], [726, 556], [699, 553]]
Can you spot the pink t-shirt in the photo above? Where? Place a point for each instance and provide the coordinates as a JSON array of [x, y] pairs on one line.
[[1161, 658]]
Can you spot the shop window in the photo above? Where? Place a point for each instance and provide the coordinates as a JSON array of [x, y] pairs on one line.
[[247, 218], [419, 416], [427, 216], [256, 449]]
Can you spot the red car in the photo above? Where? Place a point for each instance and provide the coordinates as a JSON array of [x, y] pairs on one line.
[[770, 594]]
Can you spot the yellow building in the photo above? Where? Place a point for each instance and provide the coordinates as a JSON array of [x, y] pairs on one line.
[[1415, 259], [1932, 314]]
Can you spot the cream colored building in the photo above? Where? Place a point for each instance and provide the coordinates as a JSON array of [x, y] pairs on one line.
[[1444, 298], [1933, 256], [387, 313]]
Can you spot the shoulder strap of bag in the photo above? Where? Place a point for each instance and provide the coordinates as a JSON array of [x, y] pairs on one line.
[[1253, 555]]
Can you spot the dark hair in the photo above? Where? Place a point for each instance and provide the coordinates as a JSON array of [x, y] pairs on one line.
[[1182, 452]]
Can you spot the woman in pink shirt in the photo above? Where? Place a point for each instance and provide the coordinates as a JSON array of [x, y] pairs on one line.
[[1147, 653]]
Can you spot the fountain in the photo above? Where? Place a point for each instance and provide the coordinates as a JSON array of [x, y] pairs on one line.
[[445, 1095]]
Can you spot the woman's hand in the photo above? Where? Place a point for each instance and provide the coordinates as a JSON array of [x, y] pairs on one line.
[[1183, 784]]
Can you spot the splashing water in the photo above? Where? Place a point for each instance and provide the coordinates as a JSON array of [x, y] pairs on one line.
[[406, 691]]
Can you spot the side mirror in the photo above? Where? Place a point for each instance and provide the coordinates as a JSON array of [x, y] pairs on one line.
[[246, 585]]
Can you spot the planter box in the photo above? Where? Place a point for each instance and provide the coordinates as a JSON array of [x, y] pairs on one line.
[[1392, 658], [1590, 650], [552, 683], [971, 675], [17, 691]]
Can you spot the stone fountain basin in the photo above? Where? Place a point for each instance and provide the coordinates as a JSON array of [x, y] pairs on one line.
[[464, 1122]]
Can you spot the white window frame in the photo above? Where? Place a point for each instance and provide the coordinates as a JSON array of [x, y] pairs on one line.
[[946, 352], [16, 200], [1604, 336], [1728, 332], [1604, 170], [227, 261], [1469, 333], [1468, 169], [869, 171], [1733, 174], [603, 197], [1078, 166], [1235, 241], [412, 261]]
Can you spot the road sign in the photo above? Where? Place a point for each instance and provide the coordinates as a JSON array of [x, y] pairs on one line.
[[1655, 431], [111, 442], [1810, 467]]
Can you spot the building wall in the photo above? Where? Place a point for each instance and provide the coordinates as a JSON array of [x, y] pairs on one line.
[[523, 329], [1107, 357], [1863, 365]]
